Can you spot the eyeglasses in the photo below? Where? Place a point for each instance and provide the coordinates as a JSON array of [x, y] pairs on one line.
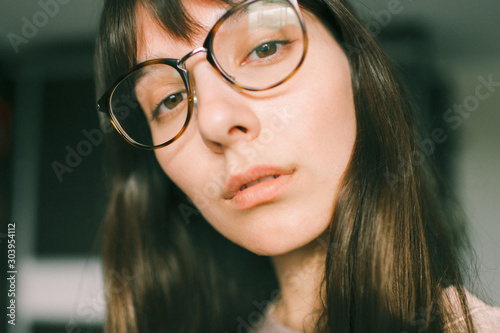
[[255, 46]]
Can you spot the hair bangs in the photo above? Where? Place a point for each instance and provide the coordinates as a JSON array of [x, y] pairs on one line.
[[173, 17], [116, 46]]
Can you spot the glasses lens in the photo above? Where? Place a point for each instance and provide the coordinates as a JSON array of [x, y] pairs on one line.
[[151, 105], [260, 45]]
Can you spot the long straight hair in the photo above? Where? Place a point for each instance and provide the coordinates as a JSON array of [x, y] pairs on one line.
[[393, 248]]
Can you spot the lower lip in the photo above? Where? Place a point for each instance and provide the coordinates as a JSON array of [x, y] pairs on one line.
[[260, 193]]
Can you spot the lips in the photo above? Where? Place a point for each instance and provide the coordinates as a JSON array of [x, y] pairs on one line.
[[257, 185], [255, 182]]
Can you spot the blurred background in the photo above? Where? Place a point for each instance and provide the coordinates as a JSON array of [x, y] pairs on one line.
[[51, 179]]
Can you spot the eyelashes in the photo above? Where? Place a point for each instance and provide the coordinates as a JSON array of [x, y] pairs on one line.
[[168, 105]]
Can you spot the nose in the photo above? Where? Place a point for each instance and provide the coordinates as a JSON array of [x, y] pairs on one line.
[[225, 115]]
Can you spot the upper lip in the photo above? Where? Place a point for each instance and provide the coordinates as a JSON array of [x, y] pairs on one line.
[[234, 183]]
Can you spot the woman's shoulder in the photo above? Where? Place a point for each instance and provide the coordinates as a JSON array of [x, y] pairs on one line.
[[486, 318]]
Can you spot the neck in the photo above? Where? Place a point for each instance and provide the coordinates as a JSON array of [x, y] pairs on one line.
[[300, 273]]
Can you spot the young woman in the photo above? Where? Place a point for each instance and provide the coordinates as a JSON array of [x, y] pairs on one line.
[[257, 181]]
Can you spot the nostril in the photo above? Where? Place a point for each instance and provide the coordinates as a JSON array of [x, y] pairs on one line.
[[241, 128], [238, 129]]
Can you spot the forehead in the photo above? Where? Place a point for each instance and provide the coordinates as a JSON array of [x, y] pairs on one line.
[[153, 41]]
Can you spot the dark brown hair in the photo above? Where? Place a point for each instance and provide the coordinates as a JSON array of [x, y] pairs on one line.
[[393, 246]]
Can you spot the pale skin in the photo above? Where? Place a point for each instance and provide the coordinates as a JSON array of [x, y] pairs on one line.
[[305, 129]]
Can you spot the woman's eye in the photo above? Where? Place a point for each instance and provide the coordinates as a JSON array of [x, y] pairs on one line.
[[169, 104], [173, 100], [266, 50]]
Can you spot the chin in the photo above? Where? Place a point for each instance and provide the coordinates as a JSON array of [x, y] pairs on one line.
[[270, 250], [278, 244]]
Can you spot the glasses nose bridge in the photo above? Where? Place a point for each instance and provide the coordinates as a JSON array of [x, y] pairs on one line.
[[183, 60], [182, 64]]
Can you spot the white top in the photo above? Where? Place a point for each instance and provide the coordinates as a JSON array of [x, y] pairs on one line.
[[486, 318]]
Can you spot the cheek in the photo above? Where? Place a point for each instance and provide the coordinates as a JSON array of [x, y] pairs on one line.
[[177, 162], [325, 126], [325, 107], [190, 165], [337, 110]]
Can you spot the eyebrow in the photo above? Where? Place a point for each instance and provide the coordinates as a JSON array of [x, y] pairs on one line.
[[139, 76]]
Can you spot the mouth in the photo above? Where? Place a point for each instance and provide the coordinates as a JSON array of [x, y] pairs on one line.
[[260, 180], [257, 185]]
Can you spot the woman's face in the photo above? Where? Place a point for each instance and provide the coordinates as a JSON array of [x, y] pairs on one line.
[[262, 167]]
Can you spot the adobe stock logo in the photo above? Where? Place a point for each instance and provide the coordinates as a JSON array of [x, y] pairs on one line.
[[74, 157], [31, 27]]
